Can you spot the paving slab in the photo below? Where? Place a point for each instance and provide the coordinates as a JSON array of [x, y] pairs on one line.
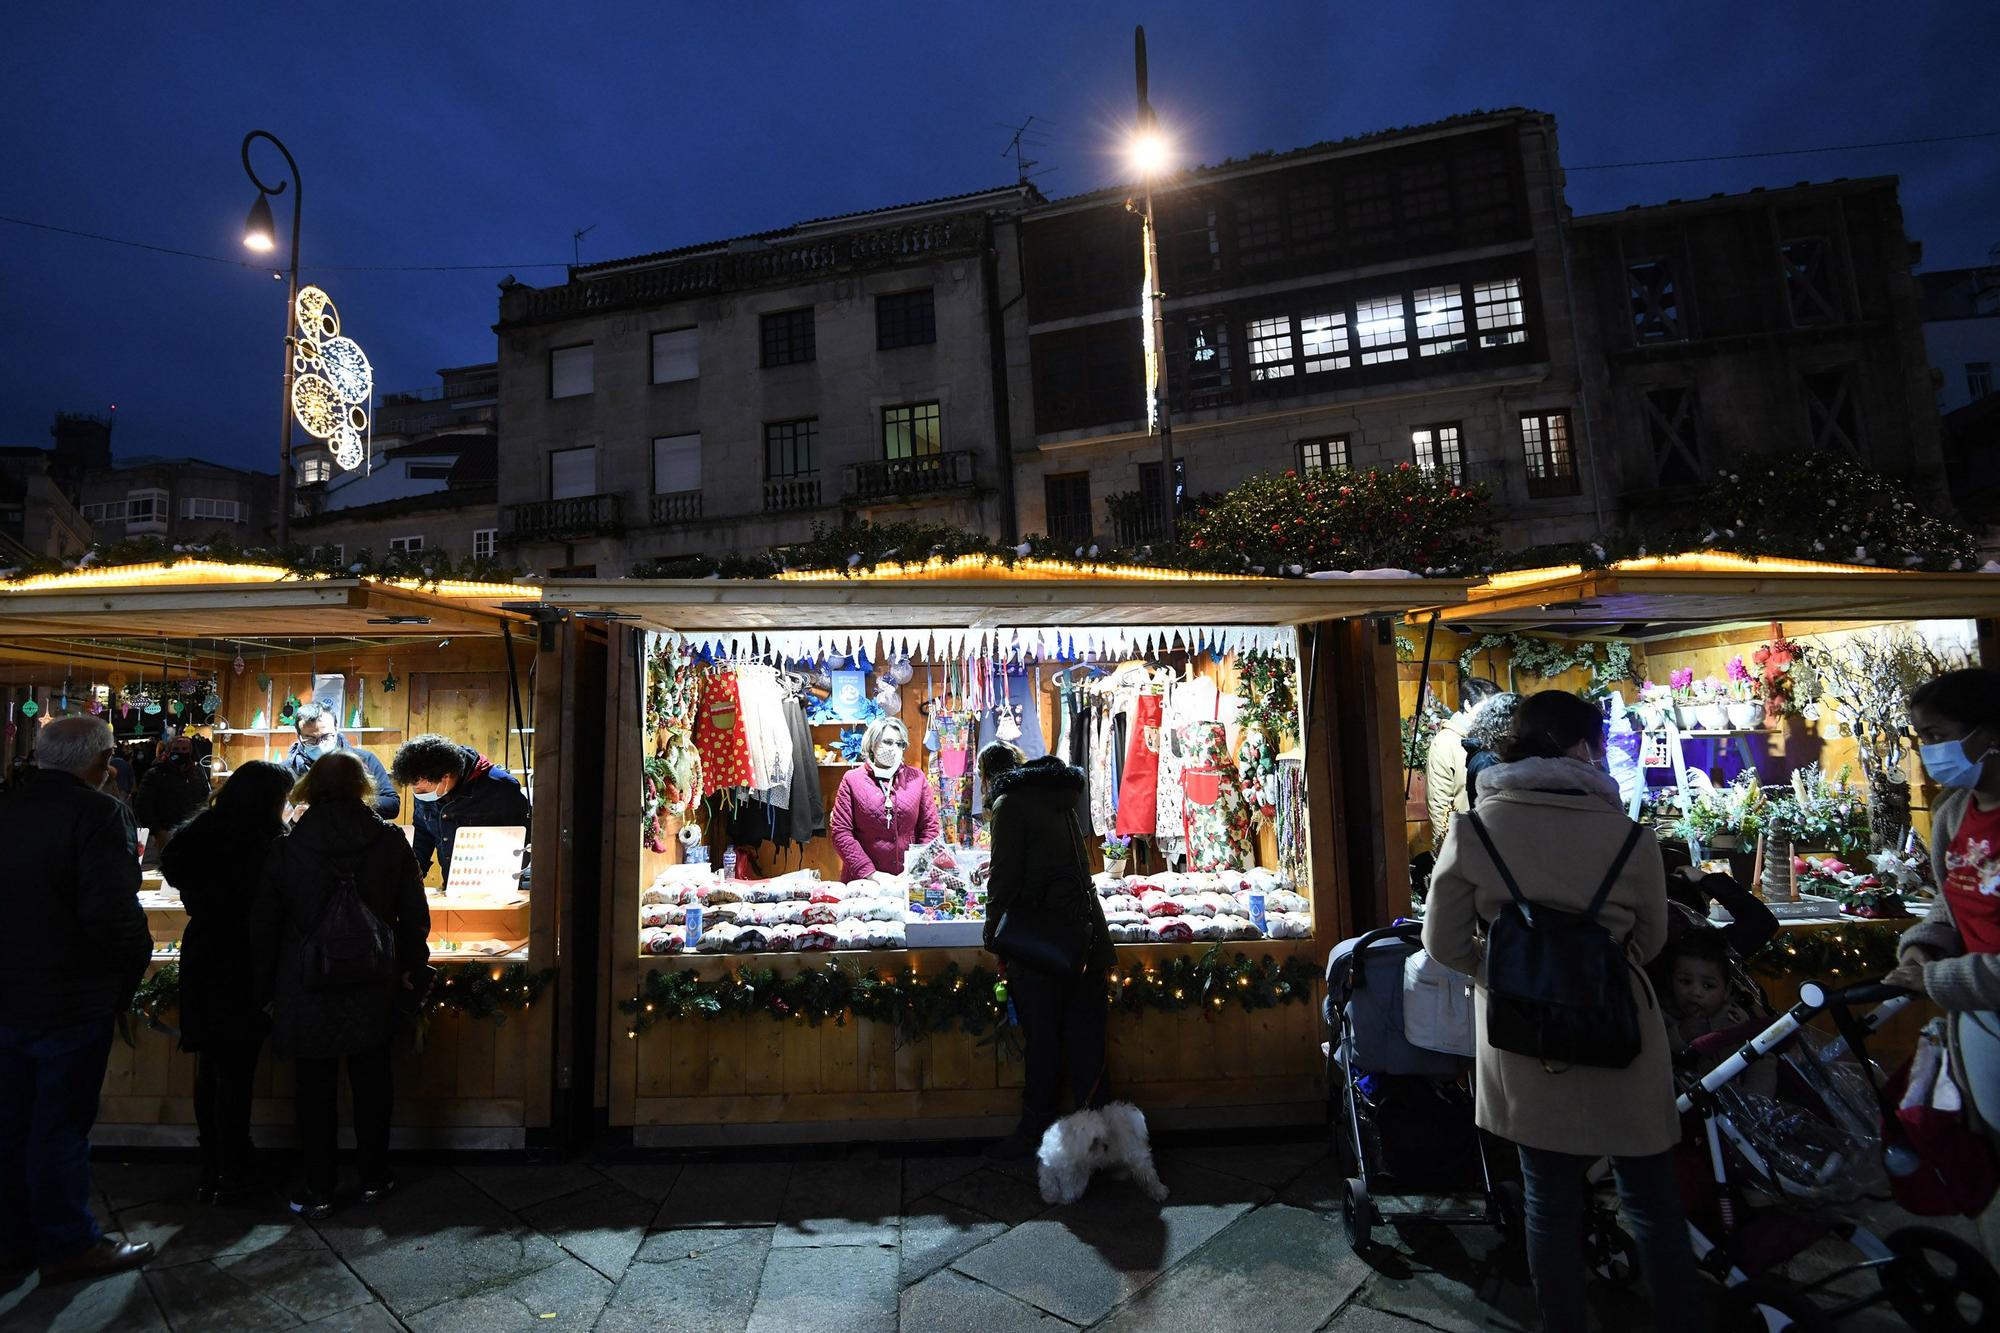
[[370, 1318], [1082, 1261], [566, 1296], [949, 1302], [1268, 1164], [421, 1201], [853, 1202], [203, 1296], [701, 1280], [602, 1225], [518, 1185], [936, 1232], [120, 1304], [448, 1254], [1358, 1318], [183, 1231], [1449, 1278], [922, 1175], [725, 1194], [835, 1289], [648, 1180], [129, 1184], [310, 1284], [997, 1194], [1273, 1269]]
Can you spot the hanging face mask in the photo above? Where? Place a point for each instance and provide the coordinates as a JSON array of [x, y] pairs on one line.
[[1950, 766]]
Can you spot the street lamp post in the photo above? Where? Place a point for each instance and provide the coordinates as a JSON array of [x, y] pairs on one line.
[[259, 233], [1149, 155]]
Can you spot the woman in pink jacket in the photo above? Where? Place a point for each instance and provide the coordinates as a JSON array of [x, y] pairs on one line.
[[883, 807]]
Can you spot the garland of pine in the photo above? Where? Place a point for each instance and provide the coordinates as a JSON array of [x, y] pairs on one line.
[[1607, 663], [477, 990], [971, 1002], [1850, 952], [428, 567]]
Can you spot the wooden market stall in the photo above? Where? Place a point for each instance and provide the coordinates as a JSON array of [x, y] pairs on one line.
[[700, 1047], [1717, 714], [223, 653]]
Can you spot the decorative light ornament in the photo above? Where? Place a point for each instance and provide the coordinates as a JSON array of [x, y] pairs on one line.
[[239, 664], [29, 707], [333, 382]]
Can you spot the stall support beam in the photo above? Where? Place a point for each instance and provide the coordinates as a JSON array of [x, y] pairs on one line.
[[1371, 759], [1326, 842]]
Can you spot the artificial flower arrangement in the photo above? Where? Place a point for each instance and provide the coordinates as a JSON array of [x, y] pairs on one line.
[[1736, 811], [1772, 679], [1745, 712], [1876, 893], [1117, 851], [1820, 811], [1655, 702]]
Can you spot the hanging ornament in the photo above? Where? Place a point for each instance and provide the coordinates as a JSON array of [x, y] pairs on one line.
[[354, 722], [389, 681], [153, 708], [116, 680], [29, 707], [211, 701], [96, 707], [176, 707], [125, 710], [289, 711], [63, 702], [239, 664], [263, 681]]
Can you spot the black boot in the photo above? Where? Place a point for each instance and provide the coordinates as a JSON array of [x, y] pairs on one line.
[[1022, 1142]]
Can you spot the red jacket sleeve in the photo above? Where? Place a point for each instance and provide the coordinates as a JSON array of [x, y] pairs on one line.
[[840, 828]]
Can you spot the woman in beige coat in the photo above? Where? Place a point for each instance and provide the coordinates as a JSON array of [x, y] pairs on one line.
[[1554, 815]]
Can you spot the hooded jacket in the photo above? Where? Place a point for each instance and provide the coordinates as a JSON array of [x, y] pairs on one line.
[[1038, 849], [1444, 774], [217, 863], [1558, 823], [488, 796], [300, 875], [388, 802]]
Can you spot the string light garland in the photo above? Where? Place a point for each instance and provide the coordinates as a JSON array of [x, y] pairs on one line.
[[332, 382], [1847, 953], [971, 1002], [477, 990], [136, 561]]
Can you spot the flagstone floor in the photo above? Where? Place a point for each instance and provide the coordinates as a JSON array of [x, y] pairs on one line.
[[853, 1240]]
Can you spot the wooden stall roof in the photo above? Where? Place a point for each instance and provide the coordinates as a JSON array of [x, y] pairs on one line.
[[1713, 588], [207, 599], [977, 593]]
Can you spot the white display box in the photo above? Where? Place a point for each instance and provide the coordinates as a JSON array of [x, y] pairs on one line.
[[944, 934]]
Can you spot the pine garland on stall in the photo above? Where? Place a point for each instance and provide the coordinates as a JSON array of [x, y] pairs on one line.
[[427, 567], [1607, 663], [477, 990]]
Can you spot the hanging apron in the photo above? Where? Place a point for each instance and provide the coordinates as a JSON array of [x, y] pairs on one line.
[[719, 735], [1138, 788], [1217, 821]]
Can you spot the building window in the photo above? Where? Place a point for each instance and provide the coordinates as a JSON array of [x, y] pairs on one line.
[[1260, 233], [1425, 196], [405, 545], [1207, 379], [1551, 462], [676, 355], [1067, 495], [1656, 300], [225, 511], [427, 471], [676, 464], [912, 431], [905, 319], [485, 543], [1380, 330], [1270, 344], [1194, 242], [1088, 376], [1436, 449], [791, 448], [105, 512], [146, 511], [1485, 195], [1368, 211], [315, 468], [331, 552], [573, 473], [1811, 286], [1313, 220], [788, 337], [1319, 453], [1673, 430], [1831, 420], [1149, 525], [1323, 341], [570, 371], [1978, 379], [1440, 320], [1497, 310]]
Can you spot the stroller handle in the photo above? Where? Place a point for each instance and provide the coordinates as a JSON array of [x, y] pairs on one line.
[[1819, 996]]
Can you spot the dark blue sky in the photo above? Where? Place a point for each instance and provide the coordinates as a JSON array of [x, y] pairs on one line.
[[434, 133]]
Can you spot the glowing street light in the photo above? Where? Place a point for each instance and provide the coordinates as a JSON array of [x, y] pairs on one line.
[[260, 233], [1150, 154]]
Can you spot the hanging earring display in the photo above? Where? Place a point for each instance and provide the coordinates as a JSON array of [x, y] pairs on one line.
[[389, 681]]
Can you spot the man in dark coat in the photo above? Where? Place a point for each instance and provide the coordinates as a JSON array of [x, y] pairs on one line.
[[319, 733], [455, 787], [73, 950], [172, 792]]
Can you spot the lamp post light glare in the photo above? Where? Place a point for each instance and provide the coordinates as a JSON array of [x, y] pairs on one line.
[[1149, 153], [259, 232]]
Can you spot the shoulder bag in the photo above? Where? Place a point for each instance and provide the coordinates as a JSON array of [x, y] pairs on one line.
[[1051, 933]]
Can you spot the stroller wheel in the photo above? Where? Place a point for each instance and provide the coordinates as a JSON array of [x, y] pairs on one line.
[[1937, 1281], [1357, 1213], [1762, 1305]]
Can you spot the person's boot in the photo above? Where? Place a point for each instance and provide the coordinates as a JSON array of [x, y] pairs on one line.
[[106, 1257], [206, 1189], [1022, 1142]]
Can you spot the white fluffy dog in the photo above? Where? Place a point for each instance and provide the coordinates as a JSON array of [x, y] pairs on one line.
[[1084, 1141]]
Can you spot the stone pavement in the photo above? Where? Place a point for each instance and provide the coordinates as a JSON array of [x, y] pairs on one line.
[[857, 1240]]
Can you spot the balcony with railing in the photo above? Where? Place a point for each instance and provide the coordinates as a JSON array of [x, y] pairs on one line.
[[785, 494], [886, 479], [676, 507], [557, 520]]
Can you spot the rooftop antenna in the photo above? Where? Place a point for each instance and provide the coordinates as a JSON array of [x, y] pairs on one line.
[[1022, 140], [576, 242]]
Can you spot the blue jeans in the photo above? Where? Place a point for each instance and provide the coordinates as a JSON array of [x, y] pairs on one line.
[[49, 1083], [1553, 1186]]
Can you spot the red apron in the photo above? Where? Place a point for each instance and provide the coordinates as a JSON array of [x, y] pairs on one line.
[[718, 735], [1138, 790]]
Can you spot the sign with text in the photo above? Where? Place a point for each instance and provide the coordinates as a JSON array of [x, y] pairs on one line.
[[486, 862]]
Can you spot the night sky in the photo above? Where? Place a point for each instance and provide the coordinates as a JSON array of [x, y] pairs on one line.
[[449, 134]]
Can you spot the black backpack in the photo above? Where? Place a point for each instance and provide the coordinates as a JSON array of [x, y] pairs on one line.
[[350, 945], [1556, 987]]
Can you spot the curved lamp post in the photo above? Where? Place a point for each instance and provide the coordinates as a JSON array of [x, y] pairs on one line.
[[1150, 155], [260, 234]]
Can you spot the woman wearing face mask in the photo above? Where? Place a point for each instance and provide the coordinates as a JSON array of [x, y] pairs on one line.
[[1555, 818], [883, 807], [1954, 956]]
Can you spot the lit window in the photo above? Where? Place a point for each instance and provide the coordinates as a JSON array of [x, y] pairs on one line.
[[226, 511], [1380, 330], [1436, 449], [1440, 320], [1496, 309], [676, 464], [405, 545], [485, 543], [1323, 340], [1207, 380], [676, 355], [911, 432], [315, 468], [1270, 348], [1321, 452], [570, 371], [1551, 463]]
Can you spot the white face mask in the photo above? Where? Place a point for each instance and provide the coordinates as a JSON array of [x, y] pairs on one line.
[[427, 795], [326, 744], [888, 756]]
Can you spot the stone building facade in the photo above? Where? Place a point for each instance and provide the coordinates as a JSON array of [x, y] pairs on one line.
[[730, 396], [179, 499]]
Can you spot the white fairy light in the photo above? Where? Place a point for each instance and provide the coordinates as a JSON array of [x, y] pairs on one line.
[[334, 382]]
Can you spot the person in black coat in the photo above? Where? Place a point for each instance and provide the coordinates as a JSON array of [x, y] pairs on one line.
[[73, 947], [216, 861], [319, 734], [455, 787], [336, 842], [173, 791], [1039, 866]]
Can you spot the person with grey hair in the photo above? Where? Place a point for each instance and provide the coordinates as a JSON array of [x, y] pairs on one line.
[[883, 806], [1444, 773], [1483, 731], [74, 950], [319, 734]]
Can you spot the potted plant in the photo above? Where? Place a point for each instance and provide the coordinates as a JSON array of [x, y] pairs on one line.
[[1725, 820], [1654, 701], [1711, 705], [1682, 684], [1117, 853], [1744, 710]]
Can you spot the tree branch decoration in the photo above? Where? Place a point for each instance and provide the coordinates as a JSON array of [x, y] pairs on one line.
[[1607, 663], [1867, 680]]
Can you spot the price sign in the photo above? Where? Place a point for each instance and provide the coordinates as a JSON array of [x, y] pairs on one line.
[[486, 862]]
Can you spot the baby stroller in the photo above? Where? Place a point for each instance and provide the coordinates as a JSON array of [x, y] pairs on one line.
[[1401, 1114], [1809, 1152]]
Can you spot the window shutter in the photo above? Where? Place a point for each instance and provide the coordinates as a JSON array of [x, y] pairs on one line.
[[570, 371], [676, 355], [676, 464], [572, 473]]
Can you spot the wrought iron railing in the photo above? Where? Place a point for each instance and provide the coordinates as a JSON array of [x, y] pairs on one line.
[[677, 507], [897, 478], [578, 516], [787, 493]]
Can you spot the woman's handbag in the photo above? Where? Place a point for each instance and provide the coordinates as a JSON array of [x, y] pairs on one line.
[[1054, 933]]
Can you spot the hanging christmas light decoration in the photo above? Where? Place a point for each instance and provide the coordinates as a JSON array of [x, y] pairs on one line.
[[332, 381]]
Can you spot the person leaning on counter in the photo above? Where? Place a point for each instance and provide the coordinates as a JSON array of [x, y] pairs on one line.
[[319, 734], [455, 787]]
